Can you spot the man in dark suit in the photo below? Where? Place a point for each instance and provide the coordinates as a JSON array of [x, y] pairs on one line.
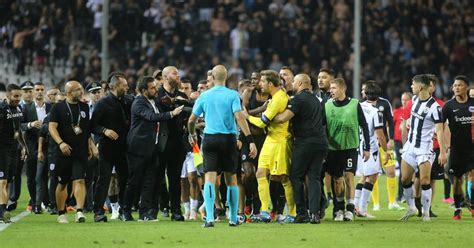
[[172, 150], [142, 152], [110, 124], [36, 176]]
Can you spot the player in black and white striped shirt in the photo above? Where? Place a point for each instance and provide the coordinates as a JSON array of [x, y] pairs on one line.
[[426, 117]]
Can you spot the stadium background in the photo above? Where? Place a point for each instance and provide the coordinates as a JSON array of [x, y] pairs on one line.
[[54, 41]]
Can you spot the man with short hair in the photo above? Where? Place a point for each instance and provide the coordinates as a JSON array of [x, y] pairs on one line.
[[426, 117], [110, 123], [344, 117], [36, 176], [143, 141], [172, 151], [325, 76], [51, 94], [287, 75], [69, 128], [254, 100], [10, 137], [202, 86], [274, 160], [309, 149], [47, 153], [459, 113], [384, 106], [15, 186], [221, 108], [189, 177], [186, 87], [371, 168]]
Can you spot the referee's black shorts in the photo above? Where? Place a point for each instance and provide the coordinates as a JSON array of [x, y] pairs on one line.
[[220, 153]]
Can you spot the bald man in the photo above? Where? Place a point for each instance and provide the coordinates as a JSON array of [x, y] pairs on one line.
[[310, 147], [69, 128], [172, 149], [221, 107]]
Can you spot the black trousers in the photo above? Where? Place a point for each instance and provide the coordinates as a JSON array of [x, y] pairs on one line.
[[103, 181], [15, 186], [307, 160], [171, 164], [141, 180], [31, 164], [91, 182], [42, 183], [53, 180]]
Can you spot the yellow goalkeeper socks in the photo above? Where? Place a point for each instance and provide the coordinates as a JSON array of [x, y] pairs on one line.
[[391, 189], [290, 200], [375, 194], [264, 193]]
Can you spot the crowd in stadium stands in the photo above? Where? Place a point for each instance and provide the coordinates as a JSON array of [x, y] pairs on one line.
[[399, 38]]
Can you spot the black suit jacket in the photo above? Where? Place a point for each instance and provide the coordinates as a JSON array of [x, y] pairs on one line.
[[112, 113], [31, 134], [142, 135]]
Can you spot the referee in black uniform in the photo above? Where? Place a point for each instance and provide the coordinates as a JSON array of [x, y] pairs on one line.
[[309, 150]]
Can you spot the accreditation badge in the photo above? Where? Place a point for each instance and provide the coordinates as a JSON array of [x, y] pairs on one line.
[[77, 130]]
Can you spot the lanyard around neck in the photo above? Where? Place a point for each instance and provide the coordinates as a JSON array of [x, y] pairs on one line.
[[78, 114]]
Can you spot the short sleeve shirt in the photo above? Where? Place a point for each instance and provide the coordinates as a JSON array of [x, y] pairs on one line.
[[308, 119], [218, 106], [67, 116]]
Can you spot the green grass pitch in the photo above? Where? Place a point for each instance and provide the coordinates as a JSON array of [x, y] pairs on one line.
[[384, 231]]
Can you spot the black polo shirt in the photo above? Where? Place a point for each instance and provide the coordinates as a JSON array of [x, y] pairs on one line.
[[66, 117], [308, 120]]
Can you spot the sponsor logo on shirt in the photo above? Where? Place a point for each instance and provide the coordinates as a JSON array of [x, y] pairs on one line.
[[464, 119]]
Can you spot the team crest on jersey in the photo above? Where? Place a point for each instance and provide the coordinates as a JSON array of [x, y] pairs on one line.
[[471, 109], [381, 108], [244, 157], [83, 114], [426, 110]]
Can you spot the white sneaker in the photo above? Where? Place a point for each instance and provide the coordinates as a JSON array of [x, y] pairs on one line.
[[186, 215], [115, 211], [426, 217], [80, 217], [395, 206], [280, 218], [409, 213], [193, 215], [348, 216], [365, 215], [339, 216], [376, 207], [62, 219]]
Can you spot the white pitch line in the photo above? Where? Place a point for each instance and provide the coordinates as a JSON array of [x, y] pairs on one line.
[[14, 219]]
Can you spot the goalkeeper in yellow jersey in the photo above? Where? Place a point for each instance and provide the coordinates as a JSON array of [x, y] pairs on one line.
[[275, 156]]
